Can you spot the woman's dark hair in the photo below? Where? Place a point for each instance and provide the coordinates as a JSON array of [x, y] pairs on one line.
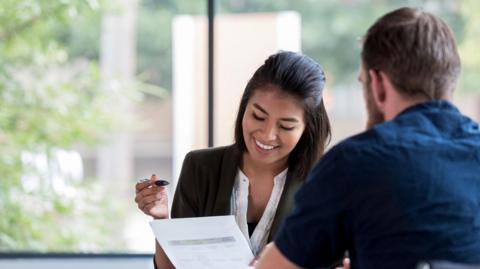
[[302, 78]]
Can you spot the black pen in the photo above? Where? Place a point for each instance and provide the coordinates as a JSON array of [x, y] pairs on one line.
[[158, 182], [161, 182]]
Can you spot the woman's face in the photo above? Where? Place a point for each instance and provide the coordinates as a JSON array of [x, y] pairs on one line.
[[272, 125]]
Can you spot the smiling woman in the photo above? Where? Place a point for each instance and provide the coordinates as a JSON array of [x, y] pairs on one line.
[[281, 130], [272, 126]]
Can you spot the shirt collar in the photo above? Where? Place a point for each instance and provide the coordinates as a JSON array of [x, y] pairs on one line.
[[429, 105]]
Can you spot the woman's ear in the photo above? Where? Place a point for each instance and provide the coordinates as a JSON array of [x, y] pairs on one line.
[[378, 89]]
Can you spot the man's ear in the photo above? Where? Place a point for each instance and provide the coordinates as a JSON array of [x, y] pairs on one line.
[[378, 89]]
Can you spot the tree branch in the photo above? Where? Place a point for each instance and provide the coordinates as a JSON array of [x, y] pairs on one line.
[[9, 33]]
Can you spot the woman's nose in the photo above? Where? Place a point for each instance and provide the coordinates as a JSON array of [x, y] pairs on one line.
[[269, 132]]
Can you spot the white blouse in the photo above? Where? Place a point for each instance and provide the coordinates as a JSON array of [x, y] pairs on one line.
[[239, 207]]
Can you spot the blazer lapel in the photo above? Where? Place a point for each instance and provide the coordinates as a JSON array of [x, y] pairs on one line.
[[228, 171], [286, 204]]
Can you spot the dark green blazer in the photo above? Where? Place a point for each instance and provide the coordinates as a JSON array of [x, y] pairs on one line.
[[206, 182]]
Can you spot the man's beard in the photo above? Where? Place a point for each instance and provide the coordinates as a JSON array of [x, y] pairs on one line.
[[375, 116]]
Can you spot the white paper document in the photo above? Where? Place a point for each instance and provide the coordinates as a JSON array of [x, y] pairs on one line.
[[206, 242]]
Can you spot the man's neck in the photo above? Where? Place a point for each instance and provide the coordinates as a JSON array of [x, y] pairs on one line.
[[399, 107], [400, 103]]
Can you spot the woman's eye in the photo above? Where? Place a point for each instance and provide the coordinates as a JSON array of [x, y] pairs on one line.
[[257, 117], [287, 128]]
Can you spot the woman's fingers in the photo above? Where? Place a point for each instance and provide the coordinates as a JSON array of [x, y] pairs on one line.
[[346, 264], [149, 191], [152, 199], [148, 207], [151, 202], [142, 185], [149, 195]]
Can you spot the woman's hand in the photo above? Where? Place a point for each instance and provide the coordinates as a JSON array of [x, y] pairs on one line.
[[346, 264], [151, 199], [255, 260]]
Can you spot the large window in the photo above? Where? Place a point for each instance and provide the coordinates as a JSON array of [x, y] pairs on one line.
[[85, 111], [97, 94], [330, 32]]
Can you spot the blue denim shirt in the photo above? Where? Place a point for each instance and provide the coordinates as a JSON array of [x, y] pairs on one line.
[[404, 191]]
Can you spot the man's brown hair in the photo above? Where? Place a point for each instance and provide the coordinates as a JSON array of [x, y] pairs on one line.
[[417, 51]]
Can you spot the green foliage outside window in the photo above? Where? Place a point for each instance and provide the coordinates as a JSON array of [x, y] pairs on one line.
[[48, 102]]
